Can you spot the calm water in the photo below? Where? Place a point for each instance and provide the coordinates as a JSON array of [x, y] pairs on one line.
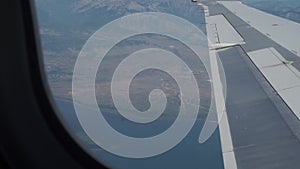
[[189, 154]]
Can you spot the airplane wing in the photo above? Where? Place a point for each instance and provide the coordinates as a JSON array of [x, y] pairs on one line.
[[260, 55]]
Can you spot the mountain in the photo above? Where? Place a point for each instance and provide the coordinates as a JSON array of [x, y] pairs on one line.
[[65, 26]]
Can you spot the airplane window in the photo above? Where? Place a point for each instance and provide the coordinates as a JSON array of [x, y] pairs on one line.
[[67, 29], [176, 83]]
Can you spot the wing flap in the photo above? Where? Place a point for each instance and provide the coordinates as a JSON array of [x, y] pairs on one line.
[[280, 73]]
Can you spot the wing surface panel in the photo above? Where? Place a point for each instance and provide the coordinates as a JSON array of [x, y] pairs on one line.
[[260, 105]]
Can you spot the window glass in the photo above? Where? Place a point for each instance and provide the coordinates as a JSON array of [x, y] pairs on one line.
[[133, 80], [65, 27]]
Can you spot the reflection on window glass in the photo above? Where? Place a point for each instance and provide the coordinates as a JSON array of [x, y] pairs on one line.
[[66, 25], [72, 43], [136, 82]]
